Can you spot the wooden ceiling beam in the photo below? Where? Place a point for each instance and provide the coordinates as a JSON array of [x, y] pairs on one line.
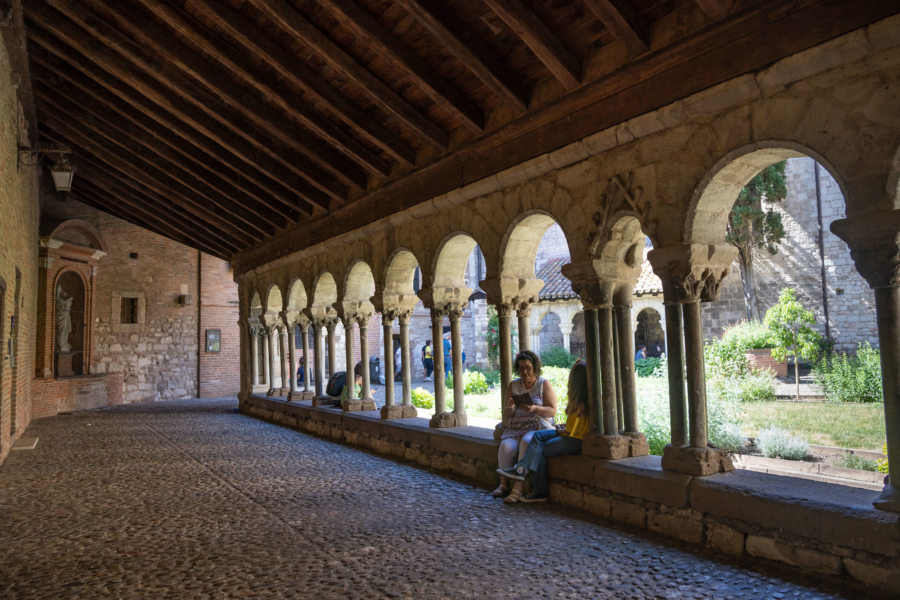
[[55, 57], [470, 52], [624, 21], [142, 201], [715, 9], [262, 109], [364, 25], [103, 44], [545, 44], [299, 75], [376, 90], [260, 221], [134, 167], [153, 139], [90, 193]]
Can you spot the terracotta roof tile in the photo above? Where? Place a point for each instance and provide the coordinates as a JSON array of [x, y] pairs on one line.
[[556, 285]]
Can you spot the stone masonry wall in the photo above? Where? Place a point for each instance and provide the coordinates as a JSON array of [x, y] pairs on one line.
[[18, 252]]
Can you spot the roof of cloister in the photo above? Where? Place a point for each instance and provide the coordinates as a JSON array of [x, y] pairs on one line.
[[253, 128], [558, 287]]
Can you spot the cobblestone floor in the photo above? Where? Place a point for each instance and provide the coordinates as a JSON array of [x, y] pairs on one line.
[[192, 500]]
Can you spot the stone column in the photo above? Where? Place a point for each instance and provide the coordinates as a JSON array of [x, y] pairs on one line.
[[330, 324], [286, 380], [875, 248], [348, 360], [271, 333], [504, 315], [607, 371], [363, 322], [254, 357], [304, 336], [387, 320], [691, 273], [522, 312], [626, 368], [319, 362], [292, 361], [617, 369], [675, 360], [441, 417], [459, 383], [592, 363], [408, 410], [566, 329]]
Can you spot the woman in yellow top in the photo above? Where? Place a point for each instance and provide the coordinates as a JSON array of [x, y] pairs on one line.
[[552, 442]]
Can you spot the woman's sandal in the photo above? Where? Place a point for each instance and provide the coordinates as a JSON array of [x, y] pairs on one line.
[[499, 492], [514, 496]]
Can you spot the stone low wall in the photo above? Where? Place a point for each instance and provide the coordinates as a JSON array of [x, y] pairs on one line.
[[817, 527]]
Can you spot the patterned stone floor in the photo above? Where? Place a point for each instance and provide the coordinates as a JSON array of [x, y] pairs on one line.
[[192, 500]]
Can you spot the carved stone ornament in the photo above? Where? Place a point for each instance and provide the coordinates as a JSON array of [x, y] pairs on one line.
[[694, 272], [874, 246]]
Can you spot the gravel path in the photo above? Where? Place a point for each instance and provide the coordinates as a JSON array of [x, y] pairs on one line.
[[191, 500]]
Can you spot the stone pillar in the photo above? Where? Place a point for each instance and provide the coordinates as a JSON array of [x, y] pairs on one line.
[[459, 383], [319, 362], [566, 329], [271, 333], [292, 361], [387, 320], [875, 248], [626, 368], [304, 335], [607, 371], [522, 312], [691, 273], [617, 369], [363, 322], [408, 410], [348, 360], [254, 357], [592, 364], [330, 324], [441, 417], [286, 380], [675, 360], [504, 315]]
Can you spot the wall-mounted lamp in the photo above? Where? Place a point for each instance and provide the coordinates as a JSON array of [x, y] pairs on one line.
[[185, 299], [61, 170]]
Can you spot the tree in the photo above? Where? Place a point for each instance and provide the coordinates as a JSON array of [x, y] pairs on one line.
[[752, 226], [789, 324]]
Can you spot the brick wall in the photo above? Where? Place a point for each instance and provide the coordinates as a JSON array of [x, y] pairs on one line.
[[18, 251], [219, 372]]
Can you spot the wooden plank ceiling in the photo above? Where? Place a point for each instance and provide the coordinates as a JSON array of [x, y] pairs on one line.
[[232, 125]]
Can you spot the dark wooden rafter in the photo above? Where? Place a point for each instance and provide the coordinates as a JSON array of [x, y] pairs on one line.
[[256, 220], [378, 92], [153, 139], [470, 52], [272, 111], [715, 9], [123, 58], [545, 44], [357, 20], [303, 77], [150, 206], [135, 167], [624, 21], [132, 211], [91, 79]]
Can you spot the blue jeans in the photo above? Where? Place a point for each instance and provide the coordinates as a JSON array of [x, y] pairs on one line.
[[544, 443]]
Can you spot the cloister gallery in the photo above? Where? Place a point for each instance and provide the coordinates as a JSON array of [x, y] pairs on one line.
[[417, 133]]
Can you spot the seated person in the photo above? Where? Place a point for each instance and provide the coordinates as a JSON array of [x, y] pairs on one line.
[[348, 394], [552, 442]]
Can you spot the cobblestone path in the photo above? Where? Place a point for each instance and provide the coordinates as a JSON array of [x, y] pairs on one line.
[[192, 500]]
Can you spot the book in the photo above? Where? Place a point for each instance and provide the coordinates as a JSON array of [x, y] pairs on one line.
[[522, 400]]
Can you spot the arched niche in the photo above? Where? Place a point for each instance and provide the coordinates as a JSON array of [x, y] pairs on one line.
[[69, 325]]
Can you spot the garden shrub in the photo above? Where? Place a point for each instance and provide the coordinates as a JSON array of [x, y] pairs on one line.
[[775, 442], [559, 379], [882, 463], [422, 398], [492, 376], [729, 438], [476, 383], [852, 378], [854, 461], [558, 357], [753, 386], [647, 367], [725, 356]]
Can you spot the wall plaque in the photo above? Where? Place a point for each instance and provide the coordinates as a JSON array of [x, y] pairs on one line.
[[213, 340]]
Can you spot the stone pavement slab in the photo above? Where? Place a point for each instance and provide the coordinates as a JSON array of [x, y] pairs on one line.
[[190, 499]]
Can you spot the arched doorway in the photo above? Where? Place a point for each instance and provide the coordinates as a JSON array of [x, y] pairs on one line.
[[551, 334], [649, 333]]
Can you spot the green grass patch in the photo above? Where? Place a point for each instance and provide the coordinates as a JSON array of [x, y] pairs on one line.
[[859, 426]]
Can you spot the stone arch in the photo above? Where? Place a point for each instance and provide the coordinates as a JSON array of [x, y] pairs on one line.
[[520, 244], [324, 291], [649, 332], [551, 333], [713, 197], [451, 259], [359, 283], [76, 231], [274, 300], [400, 272], [297, 299]]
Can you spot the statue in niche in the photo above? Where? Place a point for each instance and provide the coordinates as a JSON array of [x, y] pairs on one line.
[[63, 319]]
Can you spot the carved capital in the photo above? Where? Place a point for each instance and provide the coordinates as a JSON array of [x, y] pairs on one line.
[[691, 273], [362, 318], [874, 246], [403, 316]]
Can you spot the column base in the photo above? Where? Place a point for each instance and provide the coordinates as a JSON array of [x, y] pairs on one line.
[[409, 411], [323, 401], [307, 395], [444, 420], [611, 447], [637, 444], [284, 392], [356, 405], [271, 392], [888, 500], [398, 412], [696, 461]]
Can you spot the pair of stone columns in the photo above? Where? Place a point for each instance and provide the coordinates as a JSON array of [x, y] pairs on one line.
[[391, 410], [442, 418]]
